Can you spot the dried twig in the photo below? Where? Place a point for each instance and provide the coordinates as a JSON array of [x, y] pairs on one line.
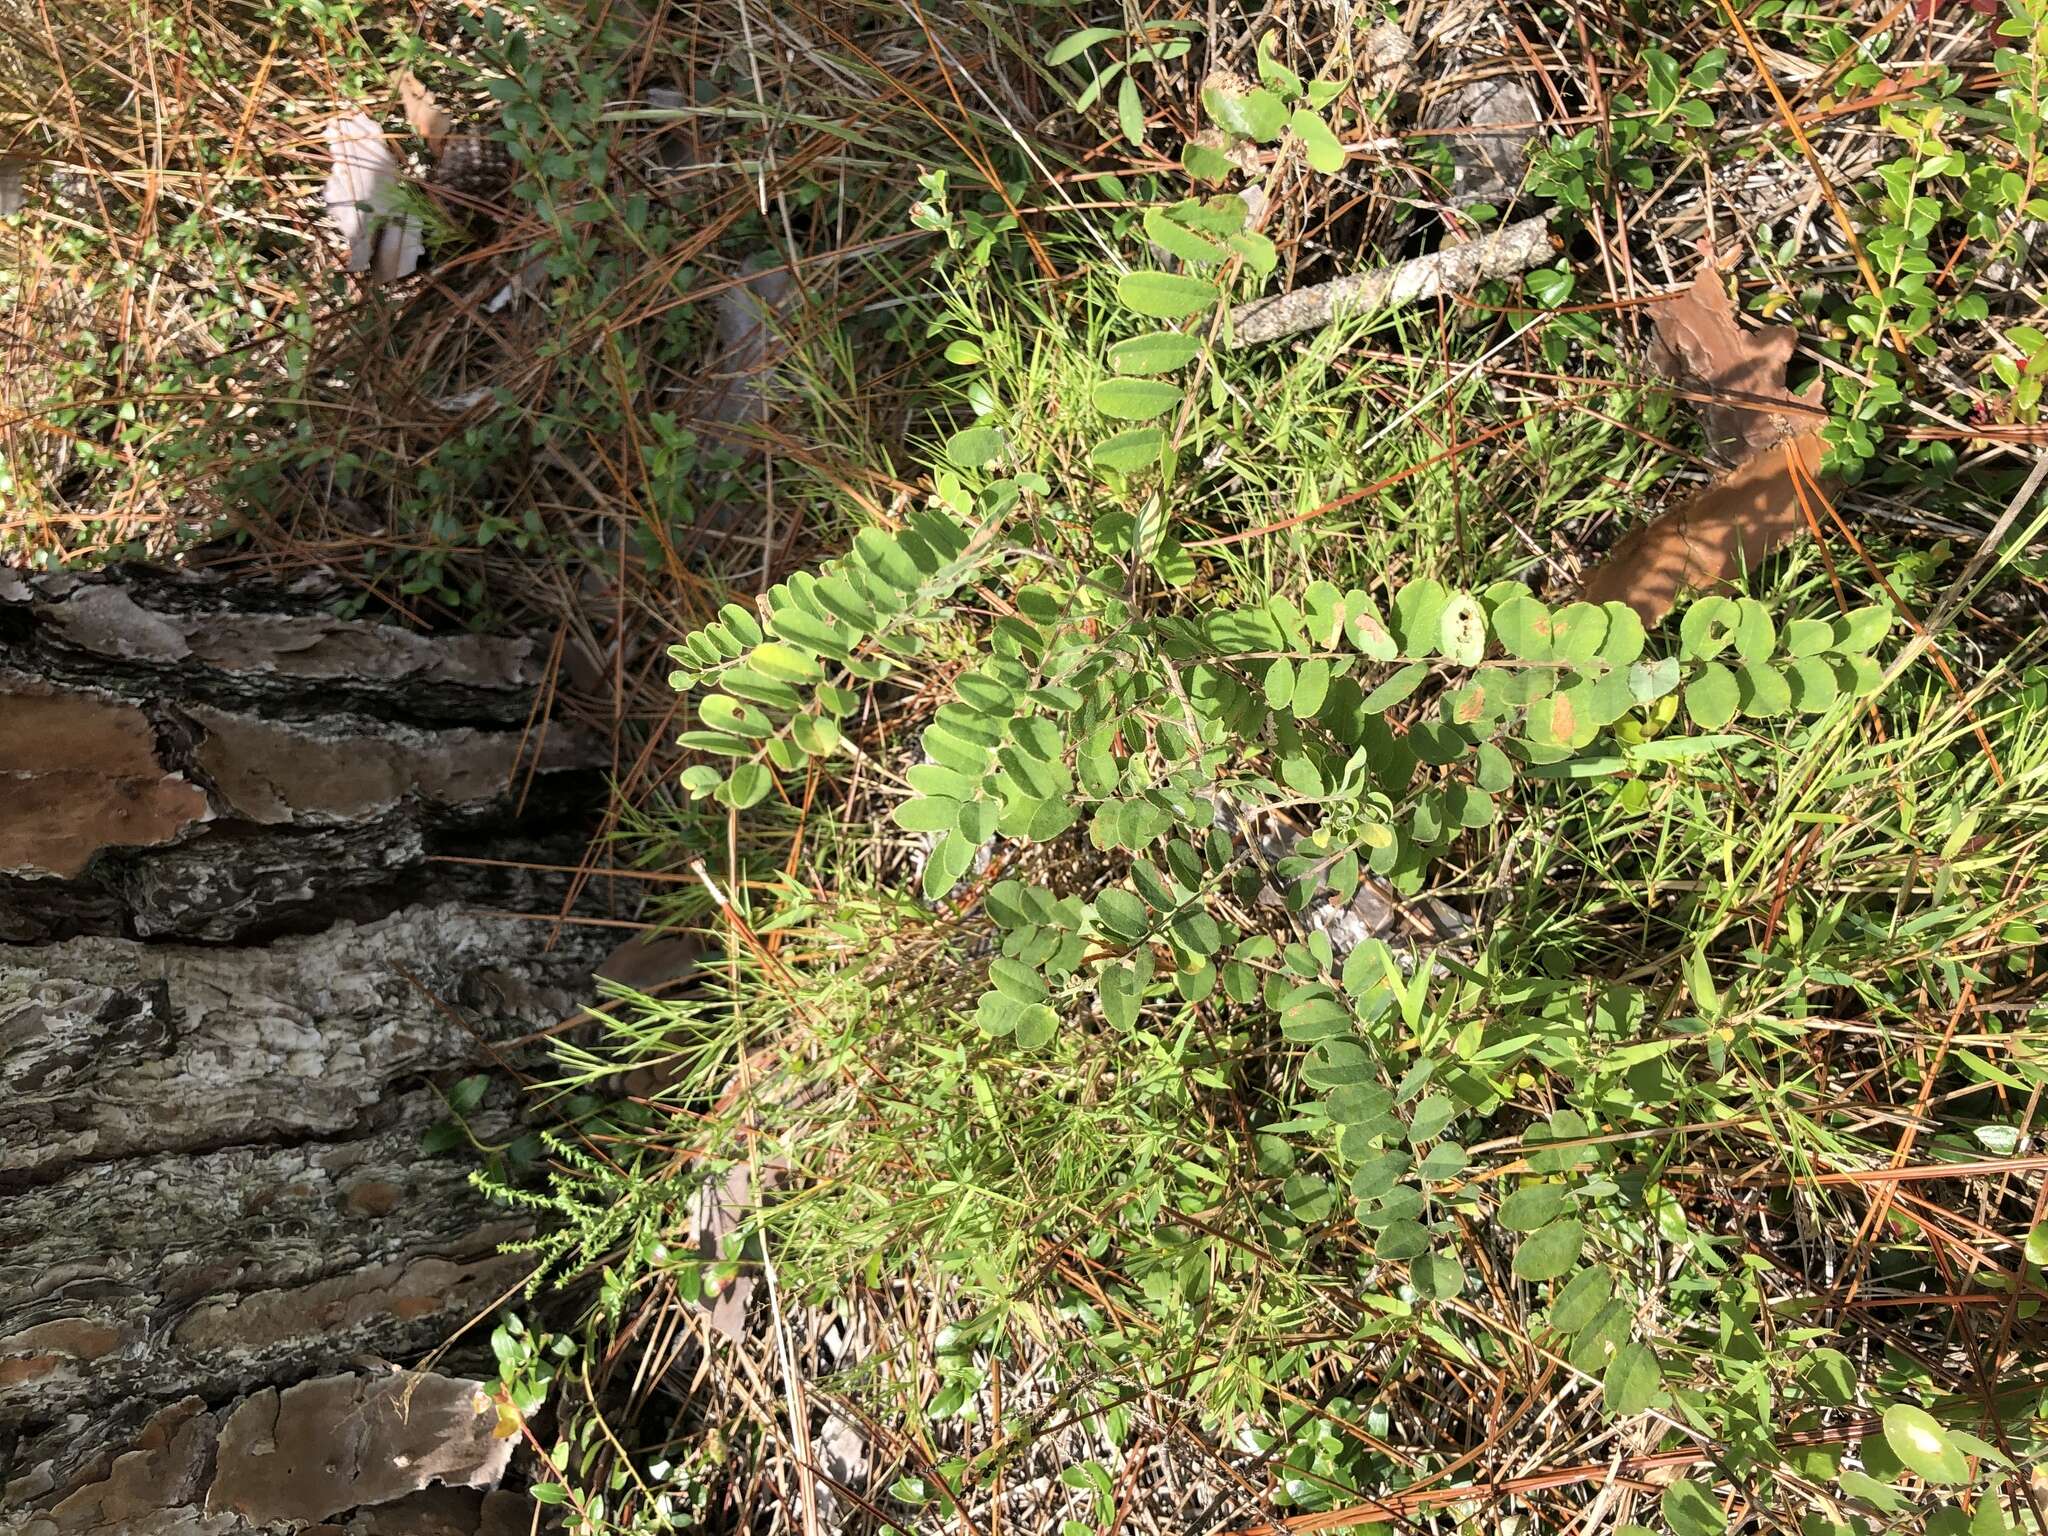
[[1454, 269]]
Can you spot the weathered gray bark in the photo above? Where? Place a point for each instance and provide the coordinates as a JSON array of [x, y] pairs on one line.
[[232, 979]]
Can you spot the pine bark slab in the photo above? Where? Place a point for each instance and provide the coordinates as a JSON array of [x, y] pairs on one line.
[[236, 976]]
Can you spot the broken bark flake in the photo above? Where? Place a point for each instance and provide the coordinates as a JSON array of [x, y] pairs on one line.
[[113, 1049], [1712, 536], [1454, 269], [332, 1444], [134, 1282], [349, 770], [410, 1455], [200, 636], [81, 774]]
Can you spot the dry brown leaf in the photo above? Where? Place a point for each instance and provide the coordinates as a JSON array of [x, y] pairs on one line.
[[1720, 531], [363, 197], [423, 112], [715, 1214], [1702, 346], [1711, 536]]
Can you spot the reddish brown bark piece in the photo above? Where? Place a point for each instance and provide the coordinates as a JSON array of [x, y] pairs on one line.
[[79, 774], [1711, 536], [1720, 531]]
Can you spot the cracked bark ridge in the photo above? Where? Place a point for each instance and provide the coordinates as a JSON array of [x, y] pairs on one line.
[[235, 979], [210, 1176], [409, 1454], [192, 760]]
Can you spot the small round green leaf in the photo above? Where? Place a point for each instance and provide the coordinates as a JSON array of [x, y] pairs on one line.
[[1524, 626], [1180, 242], [749, 785], [1280, 683], [1649, 681], [1712, 698], [1436, 1276], [1395, 688], [2037, 1246], [1581, 1299], [1129, 453], [1402, 1240], [1632, 1380], [926, 814], [1532, 1206], [972, 447], [1035, 1027], [1549, 1252], [1578, 631], [1813, 685], [1311, 687], [1692, 1511], [1122, 913], [1764, 691], [1253, 114], [1709, 624], [1462, 630], [1321, 146], [1755, 635]]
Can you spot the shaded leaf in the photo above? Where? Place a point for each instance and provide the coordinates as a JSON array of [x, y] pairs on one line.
[[1154, 352], [1550, 1251], [1136, 399]]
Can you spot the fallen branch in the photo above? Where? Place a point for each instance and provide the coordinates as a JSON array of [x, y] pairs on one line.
[[1454, 269]]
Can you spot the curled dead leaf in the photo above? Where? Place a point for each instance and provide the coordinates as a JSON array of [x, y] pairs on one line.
[[1713, 535], [1771, 435], [1701, 346], [423, 112], [363, 199]]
